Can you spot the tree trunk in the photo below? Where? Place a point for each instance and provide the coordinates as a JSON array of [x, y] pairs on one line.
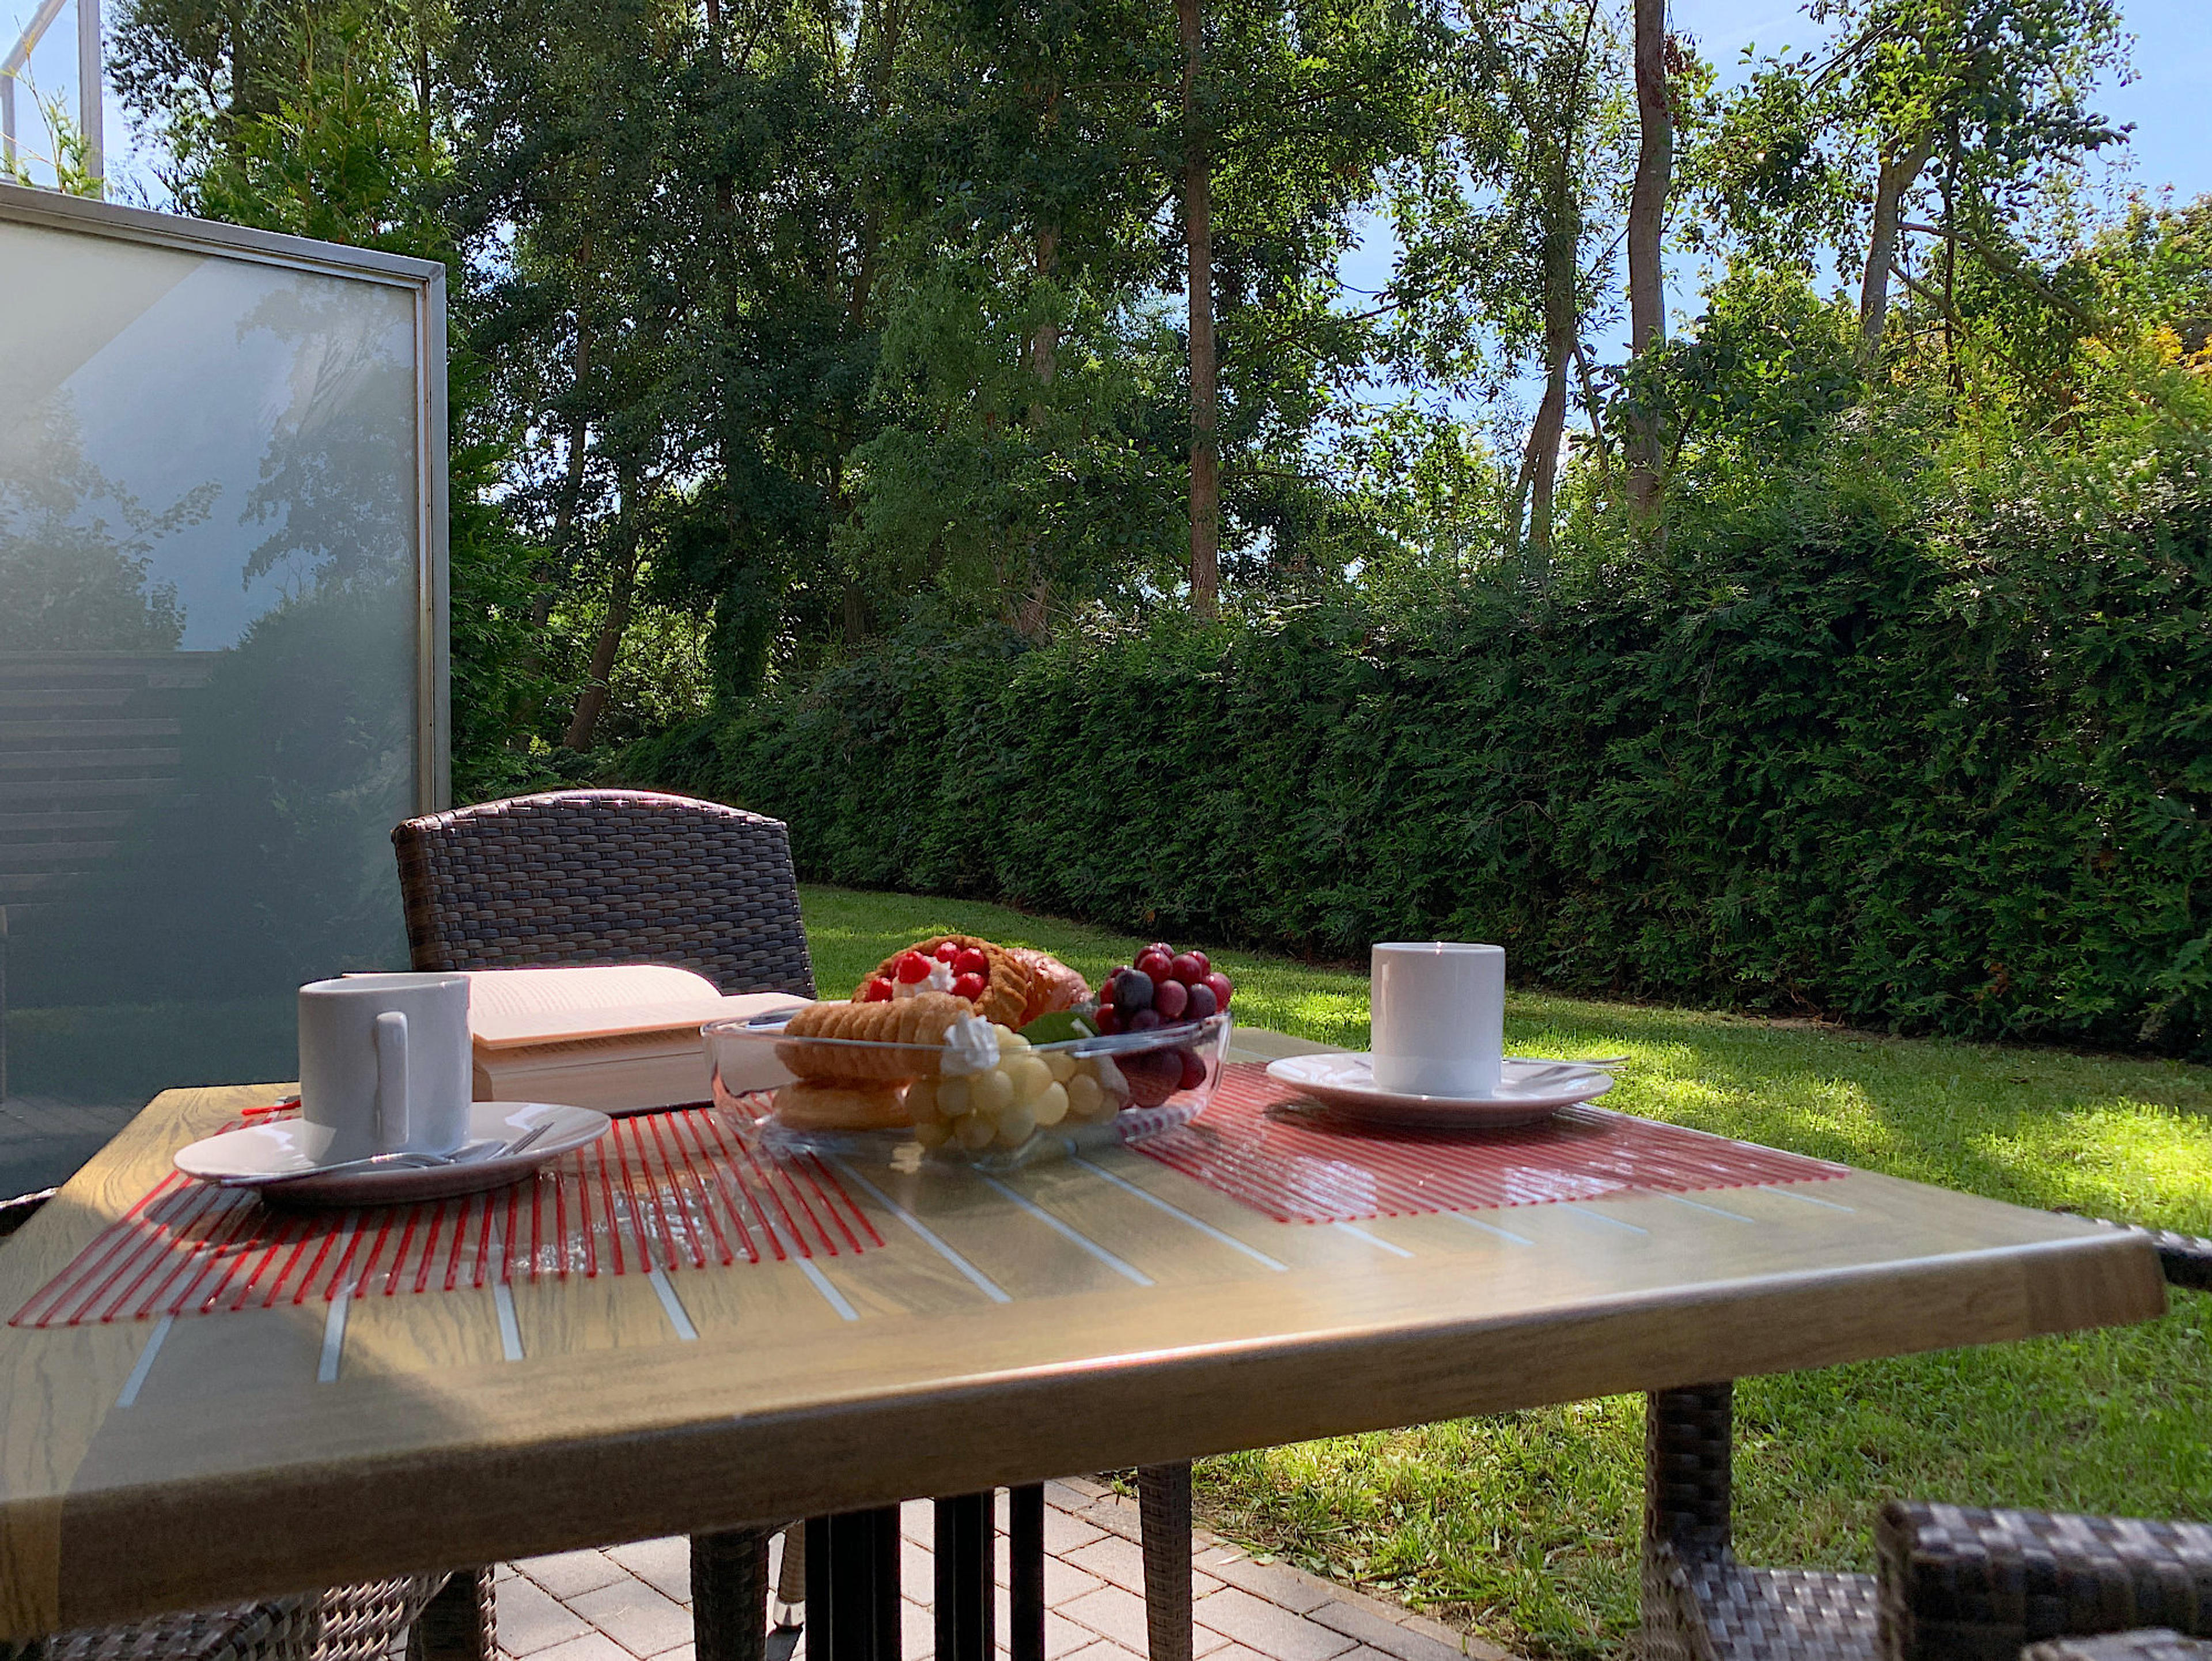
[[1044, 345], [572, 485], [1205, 387], [1540, 467], [614, 624], [1897, 176], [1647, 220], [1562, 332]]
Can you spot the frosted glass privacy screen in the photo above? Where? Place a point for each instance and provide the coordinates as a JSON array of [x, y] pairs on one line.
[[222, 646]]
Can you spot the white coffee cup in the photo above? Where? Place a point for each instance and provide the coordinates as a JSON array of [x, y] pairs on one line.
[[1439, 1018], [385, 1065]]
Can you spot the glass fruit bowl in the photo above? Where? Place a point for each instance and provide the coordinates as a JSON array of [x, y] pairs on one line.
[[1037, 1099]]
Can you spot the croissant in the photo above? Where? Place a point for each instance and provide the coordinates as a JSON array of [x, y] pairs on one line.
[[1053, 984], [920, 1022]]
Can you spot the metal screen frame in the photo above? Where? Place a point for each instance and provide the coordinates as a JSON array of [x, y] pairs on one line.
[[425, 280]]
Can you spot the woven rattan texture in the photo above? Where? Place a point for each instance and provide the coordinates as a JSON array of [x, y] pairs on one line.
[[2157, 1644], [1164, 1508], [461, 1623], [1960, 1581], [351, 1623], [1699, 1604], [1967, 1585], [605, 876], [729, 1592]]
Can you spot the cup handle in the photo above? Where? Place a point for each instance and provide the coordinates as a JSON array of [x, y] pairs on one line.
[[391, 1104]]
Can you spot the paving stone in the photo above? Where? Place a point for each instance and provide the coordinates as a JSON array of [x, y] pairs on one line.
[[566, 1575], [1111, 1613], [1452, 1637], [917, 1569], [1063, 1637], [1083, 1489], [1106, 1650], [1065, 1531], [917, 1632], [629, 1604], [1062, 1579], [636, 1617], [1112, 1559], [1378, 1633], [531, 1619], [664, 1565], [1267, 1628], [1115, 1514], [1276, 1582], [591, 1646]]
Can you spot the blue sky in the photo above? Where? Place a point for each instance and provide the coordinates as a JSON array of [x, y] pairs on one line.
[[2168, 101]]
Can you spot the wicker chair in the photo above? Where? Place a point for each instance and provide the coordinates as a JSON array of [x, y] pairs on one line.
[[605, 876], [444, 1618], [2159, 1644], [618, 876], [622, 876], [1958, 1584]]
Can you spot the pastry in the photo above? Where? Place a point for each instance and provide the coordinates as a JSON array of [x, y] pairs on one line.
[[921, 1022], [840, 1104], [1053, 984], [999, 992]]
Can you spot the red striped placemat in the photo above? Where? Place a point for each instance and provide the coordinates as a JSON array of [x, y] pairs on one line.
[[1275, 1149], [686, 1189]]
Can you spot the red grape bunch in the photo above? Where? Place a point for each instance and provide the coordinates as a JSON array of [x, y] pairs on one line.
[[1165, 988]]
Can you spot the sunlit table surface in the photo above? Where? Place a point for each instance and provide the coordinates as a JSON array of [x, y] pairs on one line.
[[1076, 1316]]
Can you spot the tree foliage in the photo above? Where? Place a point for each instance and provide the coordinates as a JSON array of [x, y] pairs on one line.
[[848, 362]]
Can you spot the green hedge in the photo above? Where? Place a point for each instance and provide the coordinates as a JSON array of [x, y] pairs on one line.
[[1960, 789]]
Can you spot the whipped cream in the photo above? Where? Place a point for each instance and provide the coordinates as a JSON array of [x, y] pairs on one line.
[[940, 980], [971, 1046]]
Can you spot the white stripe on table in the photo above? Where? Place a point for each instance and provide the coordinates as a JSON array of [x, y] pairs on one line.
[[1126, 1270], [334, 1324], [1492, 1228], [1806, 1199], [510, 1329], [1599, 1217], [670, 1305], [990, 1288], [830, 1295], [136, 1381], [1713, 1210], [1179, 1214], [1376, 1240]]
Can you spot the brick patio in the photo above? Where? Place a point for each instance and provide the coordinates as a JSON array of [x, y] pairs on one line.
[[634, 1603]]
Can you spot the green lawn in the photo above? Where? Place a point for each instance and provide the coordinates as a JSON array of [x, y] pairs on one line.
[[1524, 1527]]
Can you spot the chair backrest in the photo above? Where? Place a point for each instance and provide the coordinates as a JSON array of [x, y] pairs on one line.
[[605, 876]]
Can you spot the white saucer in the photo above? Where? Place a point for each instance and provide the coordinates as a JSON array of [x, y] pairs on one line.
[[292, 1145], [1348, 1082]]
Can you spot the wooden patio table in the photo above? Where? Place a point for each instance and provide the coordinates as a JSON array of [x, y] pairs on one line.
[[1073, 1317]]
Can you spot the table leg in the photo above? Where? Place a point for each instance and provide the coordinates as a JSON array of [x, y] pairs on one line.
[[1688, 1466], [729, 1594], [852, 1587], [1025, 1571], [459, 1624], [1164, 1508], [791, 1579], [966, 1542]]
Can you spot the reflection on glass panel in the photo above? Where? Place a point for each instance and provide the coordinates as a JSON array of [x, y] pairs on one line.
[[208, 593]]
